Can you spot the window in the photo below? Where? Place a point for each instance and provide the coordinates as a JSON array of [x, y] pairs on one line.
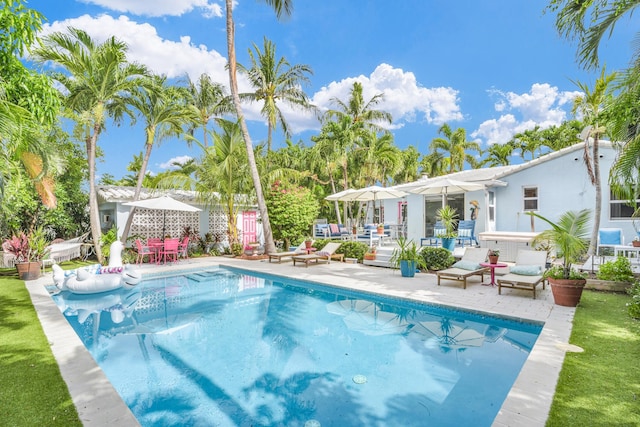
[[619, 208], [530, 198]]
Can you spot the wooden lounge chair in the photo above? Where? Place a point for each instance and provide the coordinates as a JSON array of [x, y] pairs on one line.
[[527, 272], [469, 265], [280, 256], [326, 254]]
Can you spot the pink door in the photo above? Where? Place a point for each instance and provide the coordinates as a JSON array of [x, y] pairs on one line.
[[249, 227]]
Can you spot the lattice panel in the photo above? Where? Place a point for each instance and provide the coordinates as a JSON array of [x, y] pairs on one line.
[[149, 223], [218, 224]]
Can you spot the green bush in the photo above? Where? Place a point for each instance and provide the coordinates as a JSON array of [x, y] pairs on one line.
[[437, 258], [353, 250], [634, 306], [617, 271]]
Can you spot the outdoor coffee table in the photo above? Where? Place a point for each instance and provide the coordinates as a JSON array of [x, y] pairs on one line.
[[492, 267]]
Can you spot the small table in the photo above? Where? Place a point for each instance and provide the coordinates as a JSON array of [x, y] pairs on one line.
[[310, 250], [493, 271]]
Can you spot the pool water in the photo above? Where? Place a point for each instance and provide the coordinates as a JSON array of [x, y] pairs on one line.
[[223, 347]]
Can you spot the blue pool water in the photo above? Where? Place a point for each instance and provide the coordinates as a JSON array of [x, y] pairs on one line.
[[226, 348]]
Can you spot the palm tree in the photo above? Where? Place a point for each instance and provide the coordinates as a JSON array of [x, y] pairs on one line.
[[360, 111], [409, 159], [456, 145], [98, 81], [498, 155], [592, 105], [434, 164], [211, 101], [275, 82], [164, 116], [281, 7]]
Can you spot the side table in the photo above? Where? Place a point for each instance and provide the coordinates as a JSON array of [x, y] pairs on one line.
[[492, 267]]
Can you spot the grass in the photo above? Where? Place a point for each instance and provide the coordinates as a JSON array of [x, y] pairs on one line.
[[599, 387]]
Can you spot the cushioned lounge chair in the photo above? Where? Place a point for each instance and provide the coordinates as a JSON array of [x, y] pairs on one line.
[[527, 272], [469, 265], [280, 256], [326, 254]]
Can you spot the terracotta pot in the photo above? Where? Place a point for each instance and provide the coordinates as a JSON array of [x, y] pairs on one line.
[[370, 257], [307, 244], [380, 230], [493, 259], [567, 292], [636, 243], [28, 270]]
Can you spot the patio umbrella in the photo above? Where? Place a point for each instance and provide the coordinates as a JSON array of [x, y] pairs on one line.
[[342, 196], [366, 317], [374, 193], [163, 203], [446, 186]]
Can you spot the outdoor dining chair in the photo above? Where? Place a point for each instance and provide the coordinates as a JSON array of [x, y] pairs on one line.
[[169, 251], [143, 251], [183, 248]]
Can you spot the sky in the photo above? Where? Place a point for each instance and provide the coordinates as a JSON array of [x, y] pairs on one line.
[[492, 67]]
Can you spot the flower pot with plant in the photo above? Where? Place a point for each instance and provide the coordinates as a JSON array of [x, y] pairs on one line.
[[29, 251], [308, 242], [636, 242], [380, 229], [407, 257], [370, 254], [448, 216], [569, 238], [494, 254]]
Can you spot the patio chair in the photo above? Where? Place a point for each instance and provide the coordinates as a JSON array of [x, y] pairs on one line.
[[609, 238], [169, 251], [469, 265], [325, 254], [183, 248], [279, 256], [527, 272], [143, 251], [466, 232], [436, 238]]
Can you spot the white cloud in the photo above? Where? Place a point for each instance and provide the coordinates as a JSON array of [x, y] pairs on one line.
[[171, 163], [160, 7], [544, 106]]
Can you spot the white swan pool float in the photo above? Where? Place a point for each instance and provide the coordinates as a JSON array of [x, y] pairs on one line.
[[95, 278]]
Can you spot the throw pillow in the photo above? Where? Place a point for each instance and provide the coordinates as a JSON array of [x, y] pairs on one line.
[[323, 253], [526, 270], [467, 265]]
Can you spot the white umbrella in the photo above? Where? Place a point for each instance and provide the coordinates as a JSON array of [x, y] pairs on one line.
[[448, 334], [374, 193], [163, 203], [342, 196], [446, 186]]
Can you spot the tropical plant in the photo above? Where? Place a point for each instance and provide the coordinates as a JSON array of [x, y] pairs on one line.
[[281, 7], [28, 247], [210, 99], [456, 145], [617, 271], [569, 237], [448, 216], [353, 250], [437, 258], [633, 307], [293, 210], [98, 79], [407, 250], [275, 81]]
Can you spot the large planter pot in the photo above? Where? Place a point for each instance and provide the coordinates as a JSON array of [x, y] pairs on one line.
[[449, 243], [567, 292], [28, 270], [407, 268]]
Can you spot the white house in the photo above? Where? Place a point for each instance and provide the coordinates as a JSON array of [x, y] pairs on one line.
[[150, 222], [549, 185]]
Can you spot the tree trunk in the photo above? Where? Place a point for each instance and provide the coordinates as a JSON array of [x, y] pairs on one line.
[[598, 185], [94, 214], [269, 246], [136, 195]]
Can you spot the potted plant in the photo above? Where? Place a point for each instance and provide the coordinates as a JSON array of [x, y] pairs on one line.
[[448, 216], [613, 276], [569, 238], [407, 257], [494, 254], [635, 242], [370, 254], [380, 229], [308, 241], [29, 250]]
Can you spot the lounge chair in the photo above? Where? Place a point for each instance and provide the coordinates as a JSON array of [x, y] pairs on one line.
[[325, 254], [469, 265], [527, 272], [279, 256]]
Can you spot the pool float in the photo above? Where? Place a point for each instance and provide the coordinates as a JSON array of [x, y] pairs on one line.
[[95, 278]]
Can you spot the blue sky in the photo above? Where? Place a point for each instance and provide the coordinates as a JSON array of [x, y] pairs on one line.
[[493, 67]]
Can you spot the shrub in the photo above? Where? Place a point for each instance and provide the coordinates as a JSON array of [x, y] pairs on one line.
[[353, 250], [617, 271], [633, 307], [437, 258]]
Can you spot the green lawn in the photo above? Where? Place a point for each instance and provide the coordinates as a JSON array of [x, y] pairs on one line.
[[599, 387]]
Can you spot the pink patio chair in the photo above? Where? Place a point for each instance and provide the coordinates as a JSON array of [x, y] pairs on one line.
[[183, 248], [143, 251], [169, 251]]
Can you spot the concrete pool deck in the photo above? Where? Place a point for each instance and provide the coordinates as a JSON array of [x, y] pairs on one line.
[[528, 402]]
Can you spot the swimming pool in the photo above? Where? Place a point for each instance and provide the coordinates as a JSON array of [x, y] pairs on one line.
[[220, 347]]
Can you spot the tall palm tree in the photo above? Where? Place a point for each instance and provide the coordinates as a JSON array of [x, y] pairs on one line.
[[592, 105], [164, 117], [98, 80], [434, 164], [281, 7], [275, 81], [360, 111], [210, 99], [498, 155], [456, 145]]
